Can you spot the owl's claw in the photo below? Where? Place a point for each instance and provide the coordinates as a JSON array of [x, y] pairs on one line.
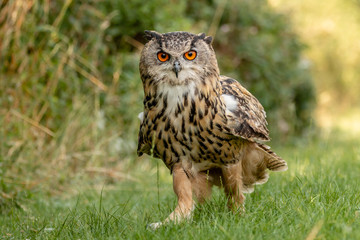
[[154, 226]]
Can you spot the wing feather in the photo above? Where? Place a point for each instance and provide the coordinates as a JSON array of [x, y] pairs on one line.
[[246, 116]]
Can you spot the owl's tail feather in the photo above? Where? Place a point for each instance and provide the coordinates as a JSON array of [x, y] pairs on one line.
[[257, 159], [273, 161]]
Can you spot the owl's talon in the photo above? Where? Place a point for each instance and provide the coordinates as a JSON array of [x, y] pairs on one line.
[[153, 226]]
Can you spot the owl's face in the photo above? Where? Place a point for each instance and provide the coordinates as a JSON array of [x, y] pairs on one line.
[[177, 58]]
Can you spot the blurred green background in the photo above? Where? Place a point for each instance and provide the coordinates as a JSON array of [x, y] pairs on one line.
[[70, 90]]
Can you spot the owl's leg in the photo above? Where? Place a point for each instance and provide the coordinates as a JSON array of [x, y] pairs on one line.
[[233, 185], [183, 190], [202, 183]]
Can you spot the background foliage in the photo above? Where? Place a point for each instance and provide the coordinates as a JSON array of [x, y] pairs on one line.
[[70, 89], [332, 32]]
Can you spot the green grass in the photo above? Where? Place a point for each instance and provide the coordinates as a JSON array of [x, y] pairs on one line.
[[317, 196]]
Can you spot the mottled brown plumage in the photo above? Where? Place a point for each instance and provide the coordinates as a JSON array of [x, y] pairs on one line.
[[204, 126]]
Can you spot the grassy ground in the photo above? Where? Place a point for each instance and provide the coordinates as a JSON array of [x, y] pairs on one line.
[[317, 198]]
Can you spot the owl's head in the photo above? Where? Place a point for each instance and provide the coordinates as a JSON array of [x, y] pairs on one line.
[[177, 58]]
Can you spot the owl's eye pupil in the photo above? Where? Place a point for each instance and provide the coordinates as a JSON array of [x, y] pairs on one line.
[[163, 55], [190, 54]]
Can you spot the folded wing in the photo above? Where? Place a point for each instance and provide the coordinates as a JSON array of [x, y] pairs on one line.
[[246, 116]]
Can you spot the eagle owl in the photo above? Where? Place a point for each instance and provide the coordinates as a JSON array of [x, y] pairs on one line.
[[205, 127]]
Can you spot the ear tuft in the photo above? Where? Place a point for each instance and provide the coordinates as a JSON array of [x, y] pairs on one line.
[[208, 39], [149, 35], [201, 35]]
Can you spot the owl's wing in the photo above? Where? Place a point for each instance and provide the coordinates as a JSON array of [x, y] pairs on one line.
[[143, 147], [144, 141], [246, 116]]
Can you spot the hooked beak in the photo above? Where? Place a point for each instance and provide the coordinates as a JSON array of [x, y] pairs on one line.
[[177, 68]]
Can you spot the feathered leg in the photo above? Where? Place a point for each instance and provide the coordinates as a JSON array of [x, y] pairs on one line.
[[183, 190], [233, 185], [202, 183]]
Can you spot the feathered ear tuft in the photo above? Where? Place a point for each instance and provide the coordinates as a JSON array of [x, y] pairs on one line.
[[207, 39], [149, 35], [201, 35]]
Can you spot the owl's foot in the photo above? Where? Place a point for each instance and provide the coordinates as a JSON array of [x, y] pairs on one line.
[[175, 217], [154, 226]]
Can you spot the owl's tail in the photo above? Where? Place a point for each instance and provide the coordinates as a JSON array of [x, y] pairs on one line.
[[258, 158], [273, 161]]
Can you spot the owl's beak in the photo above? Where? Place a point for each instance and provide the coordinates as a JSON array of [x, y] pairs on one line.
[[177, 68]]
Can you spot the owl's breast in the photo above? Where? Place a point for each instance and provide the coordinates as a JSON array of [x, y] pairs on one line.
[[187, 123]]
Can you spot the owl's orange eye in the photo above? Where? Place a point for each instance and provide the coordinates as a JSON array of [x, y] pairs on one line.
[[163, 57], [190, 55]]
